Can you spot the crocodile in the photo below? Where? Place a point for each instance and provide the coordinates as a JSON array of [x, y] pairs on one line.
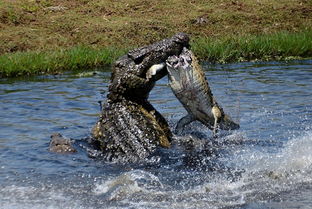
[[60, 144], [189, 84], [129, 127]]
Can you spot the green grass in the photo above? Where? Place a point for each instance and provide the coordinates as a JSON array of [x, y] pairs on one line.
[[33, 25], [32, 33], [277, 46], [29, 63]]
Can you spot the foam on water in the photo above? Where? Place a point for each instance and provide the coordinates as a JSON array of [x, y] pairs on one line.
[[127, 184], [20, 197], [265, 176], [267, 161]]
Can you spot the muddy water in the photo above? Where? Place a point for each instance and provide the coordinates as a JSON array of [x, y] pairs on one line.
[[265, 164]]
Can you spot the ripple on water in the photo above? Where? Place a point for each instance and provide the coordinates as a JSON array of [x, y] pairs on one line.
[[266, 163]]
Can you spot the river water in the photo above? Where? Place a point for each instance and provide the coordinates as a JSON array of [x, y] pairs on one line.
[[267, 163]]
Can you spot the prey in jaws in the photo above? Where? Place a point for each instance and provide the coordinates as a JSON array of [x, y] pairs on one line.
[[188, 82]]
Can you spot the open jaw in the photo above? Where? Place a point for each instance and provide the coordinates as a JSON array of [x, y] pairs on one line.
[[174, 62]]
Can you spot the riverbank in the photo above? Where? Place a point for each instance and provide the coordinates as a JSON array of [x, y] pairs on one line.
[[278, 46], [55, 62], [49, 36]]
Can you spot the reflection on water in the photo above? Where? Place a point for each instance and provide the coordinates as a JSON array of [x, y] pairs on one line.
[[265, 164]]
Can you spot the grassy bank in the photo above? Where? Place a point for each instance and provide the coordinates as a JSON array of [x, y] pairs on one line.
[[278, 46], [50, 33], [29, 63]]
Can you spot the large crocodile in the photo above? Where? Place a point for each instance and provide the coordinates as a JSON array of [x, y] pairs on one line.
[[189, 84], [130, 128]]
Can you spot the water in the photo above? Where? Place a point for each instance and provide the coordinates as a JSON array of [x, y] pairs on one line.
[[265, 164]]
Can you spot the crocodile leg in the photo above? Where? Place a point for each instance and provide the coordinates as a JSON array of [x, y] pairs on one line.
[[215, 127], [217, 116], [183, 122], [160, 119]]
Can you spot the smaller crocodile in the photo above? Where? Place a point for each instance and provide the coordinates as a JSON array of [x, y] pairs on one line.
[[189, 84], [60, 144]]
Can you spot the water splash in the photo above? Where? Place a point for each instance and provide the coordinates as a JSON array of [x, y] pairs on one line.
[[267, 160]]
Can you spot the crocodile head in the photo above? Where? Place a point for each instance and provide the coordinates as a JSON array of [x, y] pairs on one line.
[[190, 86], [60, 144], [134, 74]]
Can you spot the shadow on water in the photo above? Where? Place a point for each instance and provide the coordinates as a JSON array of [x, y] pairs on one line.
[[265, 164]]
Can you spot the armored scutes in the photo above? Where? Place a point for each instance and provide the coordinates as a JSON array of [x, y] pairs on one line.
[[130, 128], [189, 84], [60, 144]]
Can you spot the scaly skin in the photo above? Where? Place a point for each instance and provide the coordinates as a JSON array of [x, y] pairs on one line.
[[60, 144], [130, 128], [190, 86]]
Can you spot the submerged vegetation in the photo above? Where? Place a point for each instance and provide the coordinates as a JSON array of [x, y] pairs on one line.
[[39, 36]]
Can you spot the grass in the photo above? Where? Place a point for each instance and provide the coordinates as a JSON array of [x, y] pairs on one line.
[[277, 46], [69, 34], [28, 63]]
